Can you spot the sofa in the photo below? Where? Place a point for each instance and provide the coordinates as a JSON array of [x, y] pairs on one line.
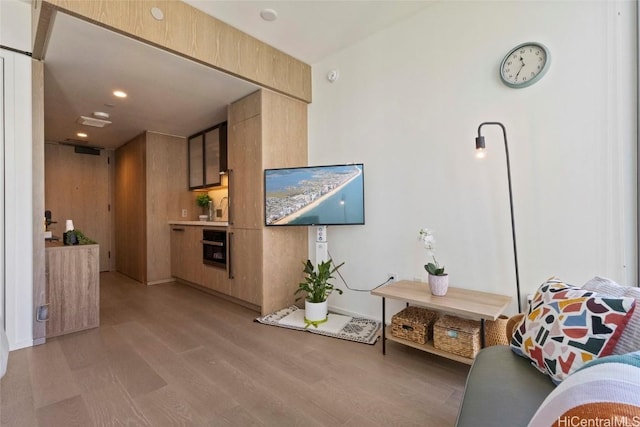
[[508, 386]]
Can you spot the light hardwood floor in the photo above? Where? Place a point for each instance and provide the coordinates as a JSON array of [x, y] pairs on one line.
[[170, 355]]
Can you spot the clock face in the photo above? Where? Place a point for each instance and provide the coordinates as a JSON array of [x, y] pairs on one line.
[[524, 65]]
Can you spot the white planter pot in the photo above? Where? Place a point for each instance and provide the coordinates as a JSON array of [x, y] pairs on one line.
[[439, 284], [315, 311]]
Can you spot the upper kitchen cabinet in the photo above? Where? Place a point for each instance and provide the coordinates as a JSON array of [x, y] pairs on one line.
[[207, 157]]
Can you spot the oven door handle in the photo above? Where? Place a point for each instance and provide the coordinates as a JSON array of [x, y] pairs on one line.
[[212, 243]]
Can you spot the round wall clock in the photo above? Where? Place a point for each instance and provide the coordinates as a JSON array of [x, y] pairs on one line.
[[524, 65]]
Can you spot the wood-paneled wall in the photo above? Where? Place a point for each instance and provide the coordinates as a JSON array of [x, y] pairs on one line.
[[266, 130], [284, 144], [131, 209], [188, 32], [166, 175], [150, 189], [77, 188]]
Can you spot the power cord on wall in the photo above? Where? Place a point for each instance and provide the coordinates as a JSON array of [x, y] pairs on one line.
[[390, 279]]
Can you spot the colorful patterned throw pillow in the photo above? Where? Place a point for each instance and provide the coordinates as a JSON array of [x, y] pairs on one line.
[[567, 327]]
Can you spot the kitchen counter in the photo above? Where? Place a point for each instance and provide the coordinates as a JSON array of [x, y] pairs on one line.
[[201, 223]]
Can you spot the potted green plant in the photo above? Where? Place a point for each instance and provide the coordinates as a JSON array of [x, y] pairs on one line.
[[204, 201], [438, 279], [317, 288]]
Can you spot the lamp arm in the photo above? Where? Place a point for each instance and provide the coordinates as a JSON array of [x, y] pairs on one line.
[[513, 226]]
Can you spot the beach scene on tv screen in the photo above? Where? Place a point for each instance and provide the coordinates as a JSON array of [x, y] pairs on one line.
[[324, 195]]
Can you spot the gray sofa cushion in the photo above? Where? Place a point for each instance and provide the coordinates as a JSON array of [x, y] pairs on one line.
[[502, 389]]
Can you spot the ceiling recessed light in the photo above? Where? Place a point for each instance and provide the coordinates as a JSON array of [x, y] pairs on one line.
[[157, 13], [82, 135], [269, 14], [120, 93]]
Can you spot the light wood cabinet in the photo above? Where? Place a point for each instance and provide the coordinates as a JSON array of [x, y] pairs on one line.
[[207, 157], [216, 278], [245, 174], [150, 173], [246, 265], [266, 130], [186, 253], [73, 288]]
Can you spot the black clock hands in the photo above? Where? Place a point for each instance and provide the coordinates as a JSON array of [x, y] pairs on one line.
[[521, 67]]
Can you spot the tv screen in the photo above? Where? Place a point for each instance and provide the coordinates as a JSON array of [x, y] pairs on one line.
[[314, 195]]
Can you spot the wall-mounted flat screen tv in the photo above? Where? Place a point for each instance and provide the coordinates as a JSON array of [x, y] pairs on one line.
[[314, 195]]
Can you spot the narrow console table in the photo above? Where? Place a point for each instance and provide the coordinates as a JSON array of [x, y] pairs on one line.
[[465, 303]]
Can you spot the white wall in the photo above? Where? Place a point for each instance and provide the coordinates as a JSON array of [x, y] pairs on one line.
[[18, 228], [408, 103], [15, 32]]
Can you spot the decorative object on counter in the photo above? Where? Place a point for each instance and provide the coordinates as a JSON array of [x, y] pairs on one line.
[[438, 279], [318, 289], [480, 153], [77, 237], [204, 201]]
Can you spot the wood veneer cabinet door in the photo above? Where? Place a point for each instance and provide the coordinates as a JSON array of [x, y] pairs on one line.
[[131, 209], [73, 283], [178, 251], [246, 265], [246, 174], [216, 278], [186, 253]]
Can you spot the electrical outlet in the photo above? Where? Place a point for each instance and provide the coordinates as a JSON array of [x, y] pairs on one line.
[[218, 213], [184, 213], [392, 277]]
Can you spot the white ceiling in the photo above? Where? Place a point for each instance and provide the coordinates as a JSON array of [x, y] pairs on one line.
[[311, 30], [84, 63]]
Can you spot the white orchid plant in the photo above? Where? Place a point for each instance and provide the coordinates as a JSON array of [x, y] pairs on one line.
[[434, 268]]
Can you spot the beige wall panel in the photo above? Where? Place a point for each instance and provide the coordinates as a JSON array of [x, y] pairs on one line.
[[192, 34], [130, 209], [166, 177], [245, 108], [39, 281], [285, 250], [77, 188], [284, 131]]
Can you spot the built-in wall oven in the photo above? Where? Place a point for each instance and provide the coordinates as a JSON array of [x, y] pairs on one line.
[[214, 247]]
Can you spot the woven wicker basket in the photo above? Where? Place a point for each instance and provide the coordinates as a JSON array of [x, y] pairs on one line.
[[458, 336], [414, 324], [495, 332]]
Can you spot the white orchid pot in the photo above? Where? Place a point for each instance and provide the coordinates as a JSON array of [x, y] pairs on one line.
[[315, 311], [439, 284]]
